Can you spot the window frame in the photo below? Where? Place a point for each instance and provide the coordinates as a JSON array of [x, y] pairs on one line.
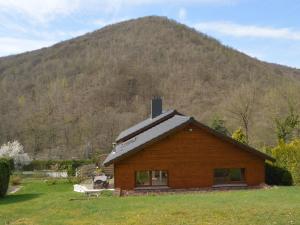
[[135, 180], [228, 178], [150, 178]]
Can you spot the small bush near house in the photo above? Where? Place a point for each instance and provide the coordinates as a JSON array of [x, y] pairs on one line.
[[15, 180], [287, 157], [74, 180], [71, 170], [278, 176], [107, 193], [51, 182], [4, 176], [238, 135]]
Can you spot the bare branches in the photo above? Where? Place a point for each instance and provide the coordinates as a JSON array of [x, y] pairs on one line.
[[242, 106]]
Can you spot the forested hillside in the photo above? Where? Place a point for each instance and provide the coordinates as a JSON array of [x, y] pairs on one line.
[[72, 99]]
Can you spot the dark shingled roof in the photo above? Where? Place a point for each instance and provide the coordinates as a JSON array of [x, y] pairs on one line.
[[145, 137], [148, 134], [146, 124]]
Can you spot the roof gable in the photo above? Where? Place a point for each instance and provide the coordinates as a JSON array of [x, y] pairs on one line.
[[228, 139], [163, 129]]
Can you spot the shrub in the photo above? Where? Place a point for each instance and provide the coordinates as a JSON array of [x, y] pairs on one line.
[[287, 156], [107, 193], [74, 164], [74, 180], [87, 171], [16, 151], [238, 135], [11, 164], [51, 182], [58, 164], [219, 126], [15, 180], [71, 171], [4, 176], [278, 176]]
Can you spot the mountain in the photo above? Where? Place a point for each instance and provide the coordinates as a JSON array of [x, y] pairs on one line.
[[72, 99]]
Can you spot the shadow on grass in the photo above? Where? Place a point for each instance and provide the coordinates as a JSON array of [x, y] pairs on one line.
[[15, 198]]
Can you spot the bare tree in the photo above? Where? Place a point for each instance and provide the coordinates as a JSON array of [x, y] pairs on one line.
[[242, 105], [88, 89]]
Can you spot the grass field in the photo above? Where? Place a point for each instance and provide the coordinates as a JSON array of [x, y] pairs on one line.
[[41, 203]]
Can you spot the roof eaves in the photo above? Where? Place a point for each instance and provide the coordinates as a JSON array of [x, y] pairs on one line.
[[110, 159]]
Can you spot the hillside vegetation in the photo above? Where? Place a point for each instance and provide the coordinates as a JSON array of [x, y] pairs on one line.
[[72, 99]]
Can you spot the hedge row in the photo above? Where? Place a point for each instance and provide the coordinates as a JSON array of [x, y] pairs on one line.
[[69, 165], [276, 175], [4, 176]]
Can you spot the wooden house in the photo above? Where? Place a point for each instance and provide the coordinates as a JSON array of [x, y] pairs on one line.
[[173, 151]]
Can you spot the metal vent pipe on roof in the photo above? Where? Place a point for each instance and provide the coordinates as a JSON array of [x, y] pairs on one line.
[[156, 107]]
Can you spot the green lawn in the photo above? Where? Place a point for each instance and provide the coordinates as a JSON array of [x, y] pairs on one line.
[[40, 203]]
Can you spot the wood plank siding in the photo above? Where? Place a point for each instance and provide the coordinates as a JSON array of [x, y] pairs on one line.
[[190, 156]]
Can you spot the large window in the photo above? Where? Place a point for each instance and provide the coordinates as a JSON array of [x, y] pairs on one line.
[[159, 178], [151, 178], [142, 178], [229, 176]]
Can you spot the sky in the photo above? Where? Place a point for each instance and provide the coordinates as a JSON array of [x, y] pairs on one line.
[[266, 29]]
